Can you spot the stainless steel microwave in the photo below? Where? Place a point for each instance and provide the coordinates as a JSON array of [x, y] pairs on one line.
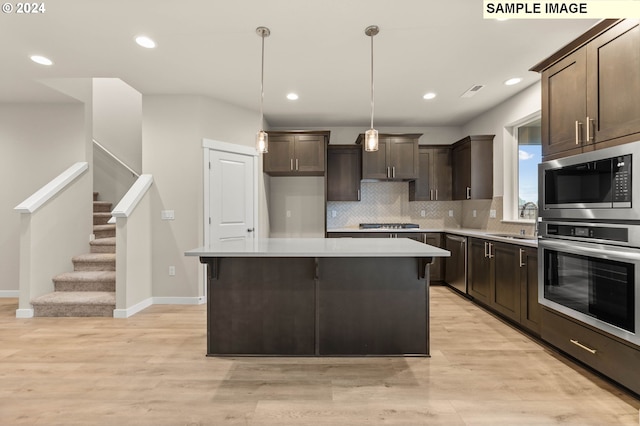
[[596, 185]]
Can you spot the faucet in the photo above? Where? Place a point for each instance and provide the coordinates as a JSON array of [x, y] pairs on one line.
[[528, 204]]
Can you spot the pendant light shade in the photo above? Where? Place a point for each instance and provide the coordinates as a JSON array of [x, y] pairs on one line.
[[371, 135], [262, 138]]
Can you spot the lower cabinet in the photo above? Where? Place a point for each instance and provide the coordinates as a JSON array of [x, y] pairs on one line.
[[436, 269], [504, 277], [608, 355]]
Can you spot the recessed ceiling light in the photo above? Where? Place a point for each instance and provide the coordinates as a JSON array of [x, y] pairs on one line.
[[429, 95], [513, 81], [292, 96], [41, 60], [145, 41]]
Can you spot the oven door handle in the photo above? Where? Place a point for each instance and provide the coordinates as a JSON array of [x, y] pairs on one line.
[[593, 249]]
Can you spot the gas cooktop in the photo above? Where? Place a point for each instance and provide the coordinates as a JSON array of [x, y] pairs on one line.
[[389, 225]]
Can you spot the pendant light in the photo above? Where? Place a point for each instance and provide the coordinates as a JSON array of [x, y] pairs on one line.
[[371, 135], [262, 138]]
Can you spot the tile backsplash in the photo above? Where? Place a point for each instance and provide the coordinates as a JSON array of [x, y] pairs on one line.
[[389, 202]]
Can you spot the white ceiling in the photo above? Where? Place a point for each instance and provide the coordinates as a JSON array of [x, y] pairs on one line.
[[317, 49]]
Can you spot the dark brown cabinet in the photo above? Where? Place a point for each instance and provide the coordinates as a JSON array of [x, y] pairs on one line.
[[344, 172], [472, 168], [296, 153], [395, 159], [434, 175], [436, 269], [504, 277], [588, 95]]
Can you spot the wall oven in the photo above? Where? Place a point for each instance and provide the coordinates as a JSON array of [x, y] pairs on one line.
[[597, 185], [591, 271]]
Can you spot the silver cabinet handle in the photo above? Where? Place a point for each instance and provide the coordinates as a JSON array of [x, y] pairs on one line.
[[436, 195], [431, 194], [291, 165], [521, 261], [486, 245], [297, 168], [388, 172], [424, 238], [578, 124], [358, 195], [491, 256], [468, 192], [581, 346], [589, 135], [393, 171]]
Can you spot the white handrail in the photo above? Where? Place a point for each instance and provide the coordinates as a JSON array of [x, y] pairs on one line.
[[112, 155], [131, 199], [48, 191]]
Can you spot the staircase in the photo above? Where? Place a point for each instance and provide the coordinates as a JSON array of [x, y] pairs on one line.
[[88, 291]]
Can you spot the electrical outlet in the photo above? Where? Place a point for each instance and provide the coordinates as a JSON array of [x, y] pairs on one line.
[[172, 271], [288, 213], [450, 213], [167, 215], [423, 213], [334, 213], [492, 214], [475, 213]]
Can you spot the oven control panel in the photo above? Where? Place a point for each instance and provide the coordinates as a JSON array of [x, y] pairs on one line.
[[621, 167], [587, 232]]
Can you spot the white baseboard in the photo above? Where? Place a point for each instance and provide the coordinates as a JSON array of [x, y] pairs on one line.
[[9, 293], [126, 313], [179, 300], [24, 313]]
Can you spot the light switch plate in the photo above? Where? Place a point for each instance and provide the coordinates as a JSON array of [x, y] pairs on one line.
[[492, 213], [475, 213], [423, 213], [450, 213], [334, 213], [167, 215]]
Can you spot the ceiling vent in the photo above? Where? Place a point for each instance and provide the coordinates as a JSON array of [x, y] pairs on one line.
[[472, 91]]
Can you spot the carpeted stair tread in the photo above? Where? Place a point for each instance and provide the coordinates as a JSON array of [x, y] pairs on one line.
[[101, 218], [94, 262], [86, 276], [104, 231], [103, 245], [101, 206], [75, 304]]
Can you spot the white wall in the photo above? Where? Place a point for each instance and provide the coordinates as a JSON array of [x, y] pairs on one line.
[[172, 132], [37, 142], [117, 125], [494, 122]]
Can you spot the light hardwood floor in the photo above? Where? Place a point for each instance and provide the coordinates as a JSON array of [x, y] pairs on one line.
[[151, 369]]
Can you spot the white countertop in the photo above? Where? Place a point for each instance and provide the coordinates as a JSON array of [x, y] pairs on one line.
[[319, 247], [529, 241]]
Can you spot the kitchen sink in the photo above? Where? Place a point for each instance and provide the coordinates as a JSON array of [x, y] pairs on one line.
[[515, 236]]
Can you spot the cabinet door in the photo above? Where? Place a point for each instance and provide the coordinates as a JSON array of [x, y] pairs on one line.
[[374, 164], [564, 104], [436, 268], [529, 306], [279, 159], [505, 295], [309, 154], [613, 83], [441, 173], [403, 158], [420, 189], [461, 158], [479, 275], [344, 166]]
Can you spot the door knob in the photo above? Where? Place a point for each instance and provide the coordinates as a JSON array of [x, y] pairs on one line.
[[250, 230]]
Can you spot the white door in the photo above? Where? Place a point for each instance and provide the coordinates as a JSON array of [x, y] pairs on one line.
[[231, 196]]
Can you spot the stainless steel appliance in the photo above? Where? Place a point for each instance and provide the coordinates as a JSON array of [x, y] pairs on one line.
[[597, 185], [389, 226], [591, 272], [455, 271]]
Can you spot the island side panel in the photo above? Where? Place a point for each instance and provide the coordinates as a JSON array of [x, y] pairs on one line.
[[262, 306], [373, 306]]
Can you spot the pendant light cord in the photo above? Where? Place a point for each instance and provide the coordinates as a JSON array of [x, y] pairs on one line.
[[372, 102], [262, 83]]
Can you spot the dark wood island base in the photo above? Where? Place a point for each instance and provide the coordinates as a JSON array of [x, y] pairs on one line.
[[317, 306]]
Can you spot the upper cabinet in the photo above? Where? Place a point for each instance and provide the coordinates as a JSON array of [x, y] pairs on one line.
[[344, 172], [589, 91], [472, 163], [395, 159], [296, 153], [434, 175]]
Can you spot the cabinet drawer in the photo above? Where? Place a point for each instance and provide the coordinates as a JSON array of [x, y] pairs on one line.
[[612, 358]]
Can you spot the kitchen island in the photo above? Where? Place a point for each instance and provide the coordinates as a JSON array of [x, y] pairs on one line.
[[317, 296]]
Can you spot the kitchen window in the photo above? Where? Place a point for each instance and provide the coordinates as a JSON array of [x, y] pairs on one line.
[[529, 155]]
